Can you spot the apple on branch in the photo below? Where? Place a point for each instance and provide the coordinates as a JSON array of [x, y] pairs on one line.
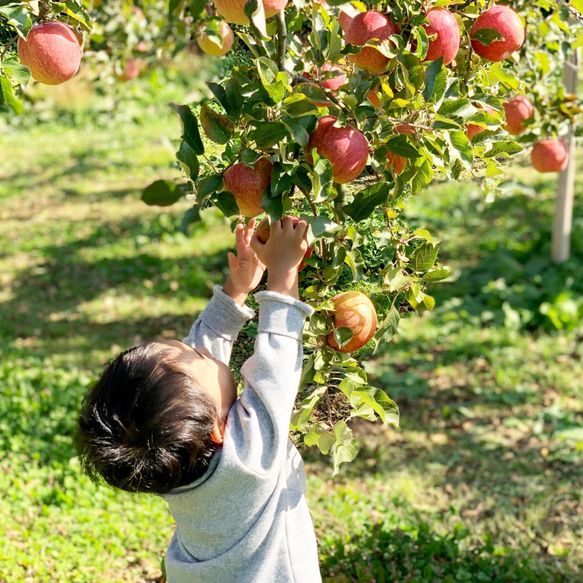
[[370, 28], [216, 45], [507, 23], [345, 148], [549, 156], [355, 311], [248, 185], [517, 110], [473, 129], [233, 11], [51, 51], [447, 43]]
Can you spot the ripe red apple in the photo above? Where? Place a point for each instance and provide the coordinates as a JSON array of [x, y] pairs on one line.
[[365, 27], [549, 156], [233, 11], [353, 310], [263, 233], [443, 23], [131, 70], [51, 51], [208, 45], [248, 185], [345, 148], [517, 110], [473, 129], [503, 19], [344, 20]]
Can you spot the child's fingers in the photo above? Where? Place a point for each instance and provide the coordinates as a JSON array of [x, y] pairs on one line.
[[232, 259], [249, 232]]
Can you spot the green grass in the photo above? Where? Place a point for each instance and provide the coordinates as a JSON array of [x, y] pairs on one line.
[[482, 482]]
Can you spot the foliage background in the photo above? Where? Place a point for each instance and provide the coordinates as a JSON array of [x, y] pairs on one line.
[[481, 482]]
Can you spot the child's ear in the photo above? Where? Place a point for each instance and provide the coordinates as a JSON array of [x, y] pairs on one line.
[[216, 434]]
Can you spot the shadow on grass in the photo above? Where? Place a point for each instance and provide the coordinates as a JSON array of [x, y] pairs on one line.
[[385, 553], [46, 295]]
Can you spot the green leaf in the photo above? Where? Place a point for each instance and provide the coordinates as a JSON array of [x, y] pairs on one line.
[[190, 133], [460, 108], [226, 203], [297, 131], [217, 127], [209, 185], [267, 134], [487, 36], [503, 149], [399, 145], [161, 193], [16, 70], [342, 336], [462, 145], [323, 226], [7, 97], [188, 159], [437, 274], [424, 257], [380, 402], [498, 73], [389, 326], [366, 201], [435, 81], [313, 92], [395, 279], [192, 215]]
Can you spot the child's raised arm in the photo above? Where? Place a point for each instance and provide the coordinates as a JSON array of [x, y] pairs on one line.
[[282, 254]]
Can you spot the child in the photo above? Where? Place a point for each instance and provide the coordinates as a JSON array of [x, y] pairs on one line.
[[165, 418]]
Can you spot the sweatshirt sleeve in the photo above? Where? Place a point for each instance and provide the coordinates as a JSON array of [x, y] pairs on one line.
[[259, 423], [218, 325]]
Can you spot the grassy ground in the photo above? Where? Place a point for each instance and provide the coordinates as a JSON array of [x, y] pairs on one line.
[[481, 483]]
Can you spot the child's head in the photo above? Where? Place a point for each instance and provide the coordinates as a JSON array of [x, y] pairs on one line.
[[152, 421]]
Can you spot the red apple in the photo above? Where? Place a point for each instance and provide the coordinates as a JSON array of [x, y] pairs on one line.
[[51, 51], [248, 185], [353, 310], [517, 110], [443, 23], [209, 45], [473, 129], [503, 19], [549, 156], [131, 70], [345, 148], [364, 28], [344, 20], [263, 233], [233, 11]]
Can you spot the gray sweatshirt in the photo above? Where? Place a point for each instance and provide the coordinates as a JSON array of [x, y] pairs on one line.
[[246, 519]]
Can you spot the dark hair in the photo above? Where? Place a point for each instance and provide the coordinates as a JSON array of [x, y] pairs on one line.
[[145, 425]]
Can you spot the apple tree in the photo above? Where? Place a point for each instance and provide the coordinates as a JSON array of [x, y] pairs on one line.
[[339, 113]]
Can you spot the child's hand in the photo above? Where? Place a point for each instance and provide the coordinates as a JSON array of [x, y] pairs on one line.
[[245, 268], [282, 254]]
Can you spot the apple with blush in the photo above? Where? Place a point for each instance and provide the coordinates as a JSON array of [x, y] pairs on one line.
[[248, 185], [346, 148], [51, 51]]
